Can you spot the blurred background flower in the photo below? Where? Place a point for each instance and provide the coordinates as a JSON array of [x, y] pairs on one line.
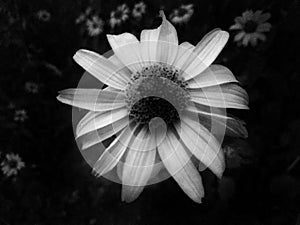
[[95, 26], [139, 9], [251, 27], [12, 164], [119, 16], [182, 14]]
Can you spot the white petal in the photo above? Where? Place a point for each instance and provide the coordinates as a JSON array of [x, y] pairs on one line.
[[179, 165], [185, 49], [97, 136], [205, 52], [112, 155], [101, 68], [127, 48], [223, 96], [118, 63], [138, 166], [93, 99], [202, 144], [234, 127], [160, 45], [264, 27], [213, 75], [96, 120]]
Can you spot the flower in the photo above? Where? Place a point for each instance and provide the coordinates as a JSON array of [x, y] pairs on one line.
[[31, 87], [95, 26], [43, 15], [251, 27], [183, 14], [12, 164], [164, 103], [83, 16], [138, 10], [120, 15], [20, 115]]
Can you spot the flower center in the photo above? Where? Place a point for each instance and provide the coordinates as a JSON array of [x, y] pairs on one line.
[[250, 26], [156, 91]]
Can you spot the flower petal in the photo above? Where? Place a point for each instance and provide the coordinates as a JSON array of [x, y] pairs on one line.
[[264, 27], [178, 163], [138, 166], [93, 99], [118, 63], [205, 52], [234, 127], [112, 155], [223, 96], [185, 49], [96, 120], [101, 68], [94, 137], [127, 48], [202, 144], [160, 45], [213, 75]]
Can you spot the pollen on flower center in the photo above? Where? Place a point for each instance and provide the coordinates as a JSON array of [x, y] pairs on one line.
[[156, 91]]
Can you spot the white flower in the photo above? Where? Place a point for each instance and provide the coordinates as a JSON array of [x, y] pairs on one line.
[[43, 15], [95, 26], [138, 10], [20, 115], [12, 164], [31, 87], [183, 14], [164, 103], [120, 15], [251, 27]]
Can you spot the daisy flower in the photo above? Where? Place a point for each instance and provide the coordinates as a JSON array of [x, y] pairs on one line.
[[138, 10], [95, 26], [183, 14], [20, 115], [12, 164], [164, 102], [251, 27], [119, 16], [43, 15]]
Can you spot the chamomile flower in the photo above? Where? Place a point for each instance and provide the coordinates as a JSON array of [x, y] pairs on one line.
[[138, 10], [119, 16], [164, 102], [43, 15], [251, 27], [182, 15], [11, 165], [95, 25], [20, 115]]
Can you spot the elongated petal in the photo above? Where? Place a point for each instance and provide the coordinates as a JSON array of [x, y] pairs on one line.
[[96, 120], [185, 49], [205, 52], [127, 48], [160, 45], [202, 144], [93, 99], [101, 68], [138, 166], [213, 75], [179, 165], [120, 65], [224, 96], [234, 127], [112, 155], [94, 137]]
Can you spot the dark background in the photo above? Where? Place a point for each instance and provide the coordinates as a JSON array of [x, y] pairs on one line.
[[261, 183]]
